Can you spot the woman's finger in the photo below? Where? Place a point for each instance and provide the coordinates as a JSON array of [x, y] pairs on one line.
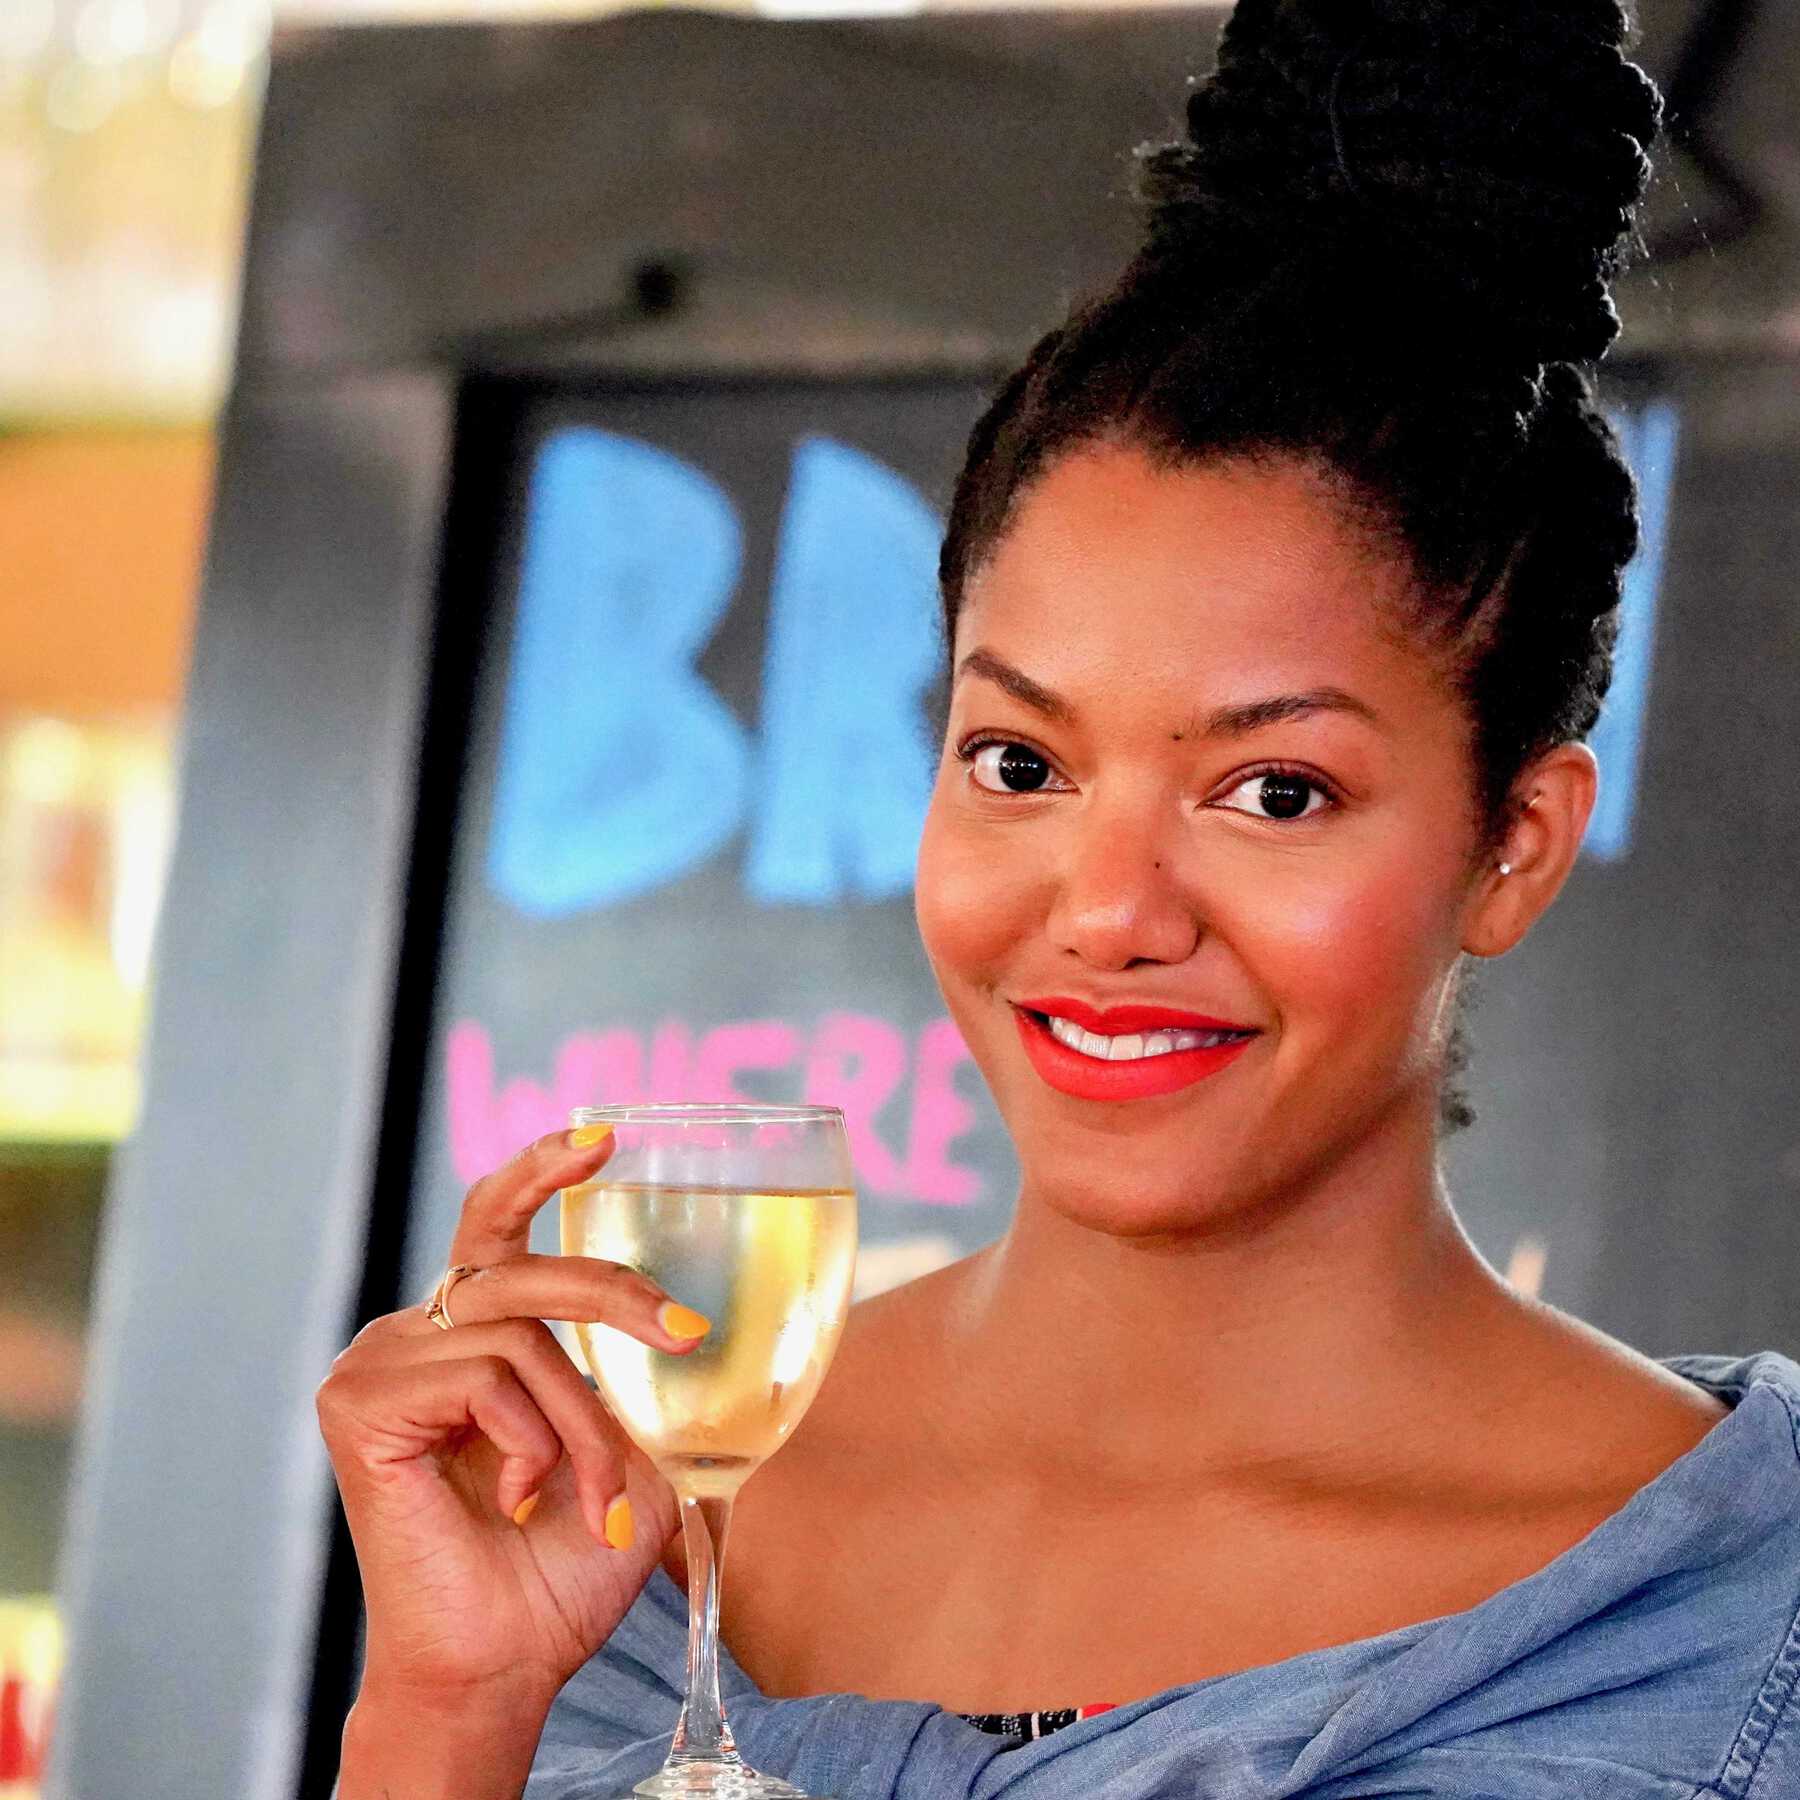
[[378, 1420], [592, 1438], [498, 1210], [584, 1289]]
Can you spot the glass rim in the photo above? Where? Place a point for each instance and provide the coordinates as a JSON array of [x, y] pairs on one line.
[[683, 1112]]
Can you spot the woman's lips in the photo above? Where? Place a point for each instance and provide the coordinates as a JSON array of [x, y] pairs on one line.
[[1111, 1020], [1085, 1077]]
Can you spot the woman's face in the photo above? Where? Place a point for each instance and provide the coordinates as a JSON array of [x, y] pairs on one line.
[[1190, 771]]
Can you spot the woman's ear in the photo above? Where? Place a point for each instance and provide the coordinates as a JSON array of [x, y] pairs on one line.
[[1551, 803]]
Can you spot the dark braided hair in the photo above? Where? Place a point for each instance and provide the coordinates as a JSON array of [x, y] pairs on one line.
[[1384, 251]]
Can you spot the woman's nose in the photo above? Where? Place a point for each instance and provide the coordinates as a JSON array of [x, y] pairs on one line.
[[1118, 900]]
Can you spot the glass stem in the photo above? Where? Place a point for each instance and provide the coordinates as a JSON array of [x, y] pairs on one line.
[[701, 1733]]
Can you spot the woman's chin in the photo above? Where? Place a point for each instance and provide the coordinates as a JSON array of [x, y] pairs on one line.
[[1154, 1205]]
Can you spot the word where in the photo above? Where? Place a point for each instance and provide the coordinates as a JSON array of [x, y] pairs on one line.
[[848, 1060]]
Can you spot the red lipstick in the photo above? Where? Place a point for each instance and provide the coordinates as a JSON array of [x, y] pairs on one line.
[[1086, 1078]]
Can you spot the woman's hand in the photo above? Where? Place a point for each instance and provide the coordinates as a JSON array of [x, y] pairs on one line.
[[503, 1522]]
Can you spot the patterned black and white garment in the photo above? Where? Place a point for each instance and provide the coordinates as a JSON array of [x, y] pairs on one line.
[[1026, 1726]]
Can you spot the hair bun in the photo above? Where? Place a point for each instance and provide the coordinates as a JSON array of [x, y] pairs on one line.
[[1492, 148]]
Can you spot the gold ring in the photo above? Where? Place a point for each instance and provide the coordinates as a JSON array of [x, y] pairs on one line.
[[437, 1308]]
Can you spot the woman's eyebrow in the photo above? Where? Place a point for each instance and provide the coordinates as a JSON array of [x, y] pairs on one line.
[[1237, 720], [1253, 715], [1015, 682]]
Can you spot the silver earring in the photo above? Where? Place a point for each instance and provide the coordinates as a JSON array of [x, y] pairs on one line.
[[1506, 868]]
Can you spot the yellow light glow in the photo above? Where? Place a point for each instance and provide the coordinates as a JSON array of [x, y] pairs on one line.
[[46, 761], [199, 78], [25, 29], [112, 31], [81, 96]]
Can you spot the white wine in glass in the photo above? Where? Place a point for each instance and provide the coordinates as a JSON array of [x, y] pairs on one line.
[[747, 1214]]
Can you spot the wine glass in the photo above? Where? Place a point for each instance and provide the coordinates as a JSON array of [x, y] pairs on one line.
[[746, 1213]]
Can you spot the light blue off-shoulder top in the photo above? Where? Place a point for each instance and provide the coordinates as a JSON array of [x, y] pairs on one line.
[[1657, 1659]]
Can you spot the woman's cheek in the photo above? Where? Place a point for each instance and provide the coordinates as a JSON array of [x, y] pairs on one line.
[[967, 900], [1342, 960]]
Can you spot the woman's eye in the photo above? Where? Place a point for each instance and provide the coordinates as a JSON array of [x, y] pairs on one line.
[[1276, 796], [1010, 769]]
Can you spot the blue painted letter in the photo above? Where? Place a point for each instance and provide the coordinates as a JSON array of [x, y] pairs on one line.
[[619, 768], [853, 640]]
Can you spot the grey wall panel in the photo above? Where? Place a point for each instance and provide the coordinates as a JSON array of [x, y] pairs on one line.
[[235, 1232]]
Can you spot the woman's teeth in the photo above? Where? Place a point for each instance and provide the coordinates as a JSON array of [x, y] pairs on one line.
[[1134, 1046]]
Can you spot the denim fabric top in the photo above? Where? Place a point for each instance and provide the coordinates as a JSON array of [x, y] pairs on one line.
[[1657, 1659]]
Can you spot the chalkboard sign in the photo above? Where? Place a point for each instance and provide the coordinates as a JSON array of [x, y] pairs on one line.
[[699, 756]]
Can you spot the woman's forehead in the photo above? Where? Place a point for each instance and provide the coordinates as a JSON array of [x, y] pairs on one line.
[[1112, 511], [1111, 560]]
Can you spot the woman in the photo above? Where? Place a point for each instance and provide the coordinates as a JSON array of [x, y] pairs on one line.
[[1281, 586]]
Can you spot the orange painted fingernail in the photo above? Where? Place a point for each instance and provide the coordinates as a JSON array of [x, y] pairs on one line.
[[585, 1137], [682, 1321], [619, 1529], [525, 1508]]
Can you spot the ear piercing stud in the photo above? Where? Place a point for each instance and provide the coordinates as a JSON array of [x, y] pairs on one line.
[[1506, 868]]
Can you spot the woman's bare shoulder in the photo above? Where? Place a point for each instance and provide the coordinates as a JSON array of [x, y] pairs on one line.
[[1590, 1402]]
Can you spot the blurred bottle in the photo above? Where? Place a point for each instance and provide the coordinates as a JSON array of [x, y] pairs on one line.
[[31, 1656], [84, 827]]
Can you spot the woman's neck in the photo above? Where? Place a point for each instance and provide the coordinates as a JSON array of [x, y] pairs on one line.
[[1319, 1339]]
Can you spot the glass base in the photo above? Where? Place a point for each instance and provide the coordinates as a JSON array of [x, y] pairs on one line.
[[717, 1781]]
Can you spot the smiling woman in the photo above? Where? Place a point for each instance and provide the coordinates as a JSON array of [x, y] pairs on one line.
[[1275, 630]]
